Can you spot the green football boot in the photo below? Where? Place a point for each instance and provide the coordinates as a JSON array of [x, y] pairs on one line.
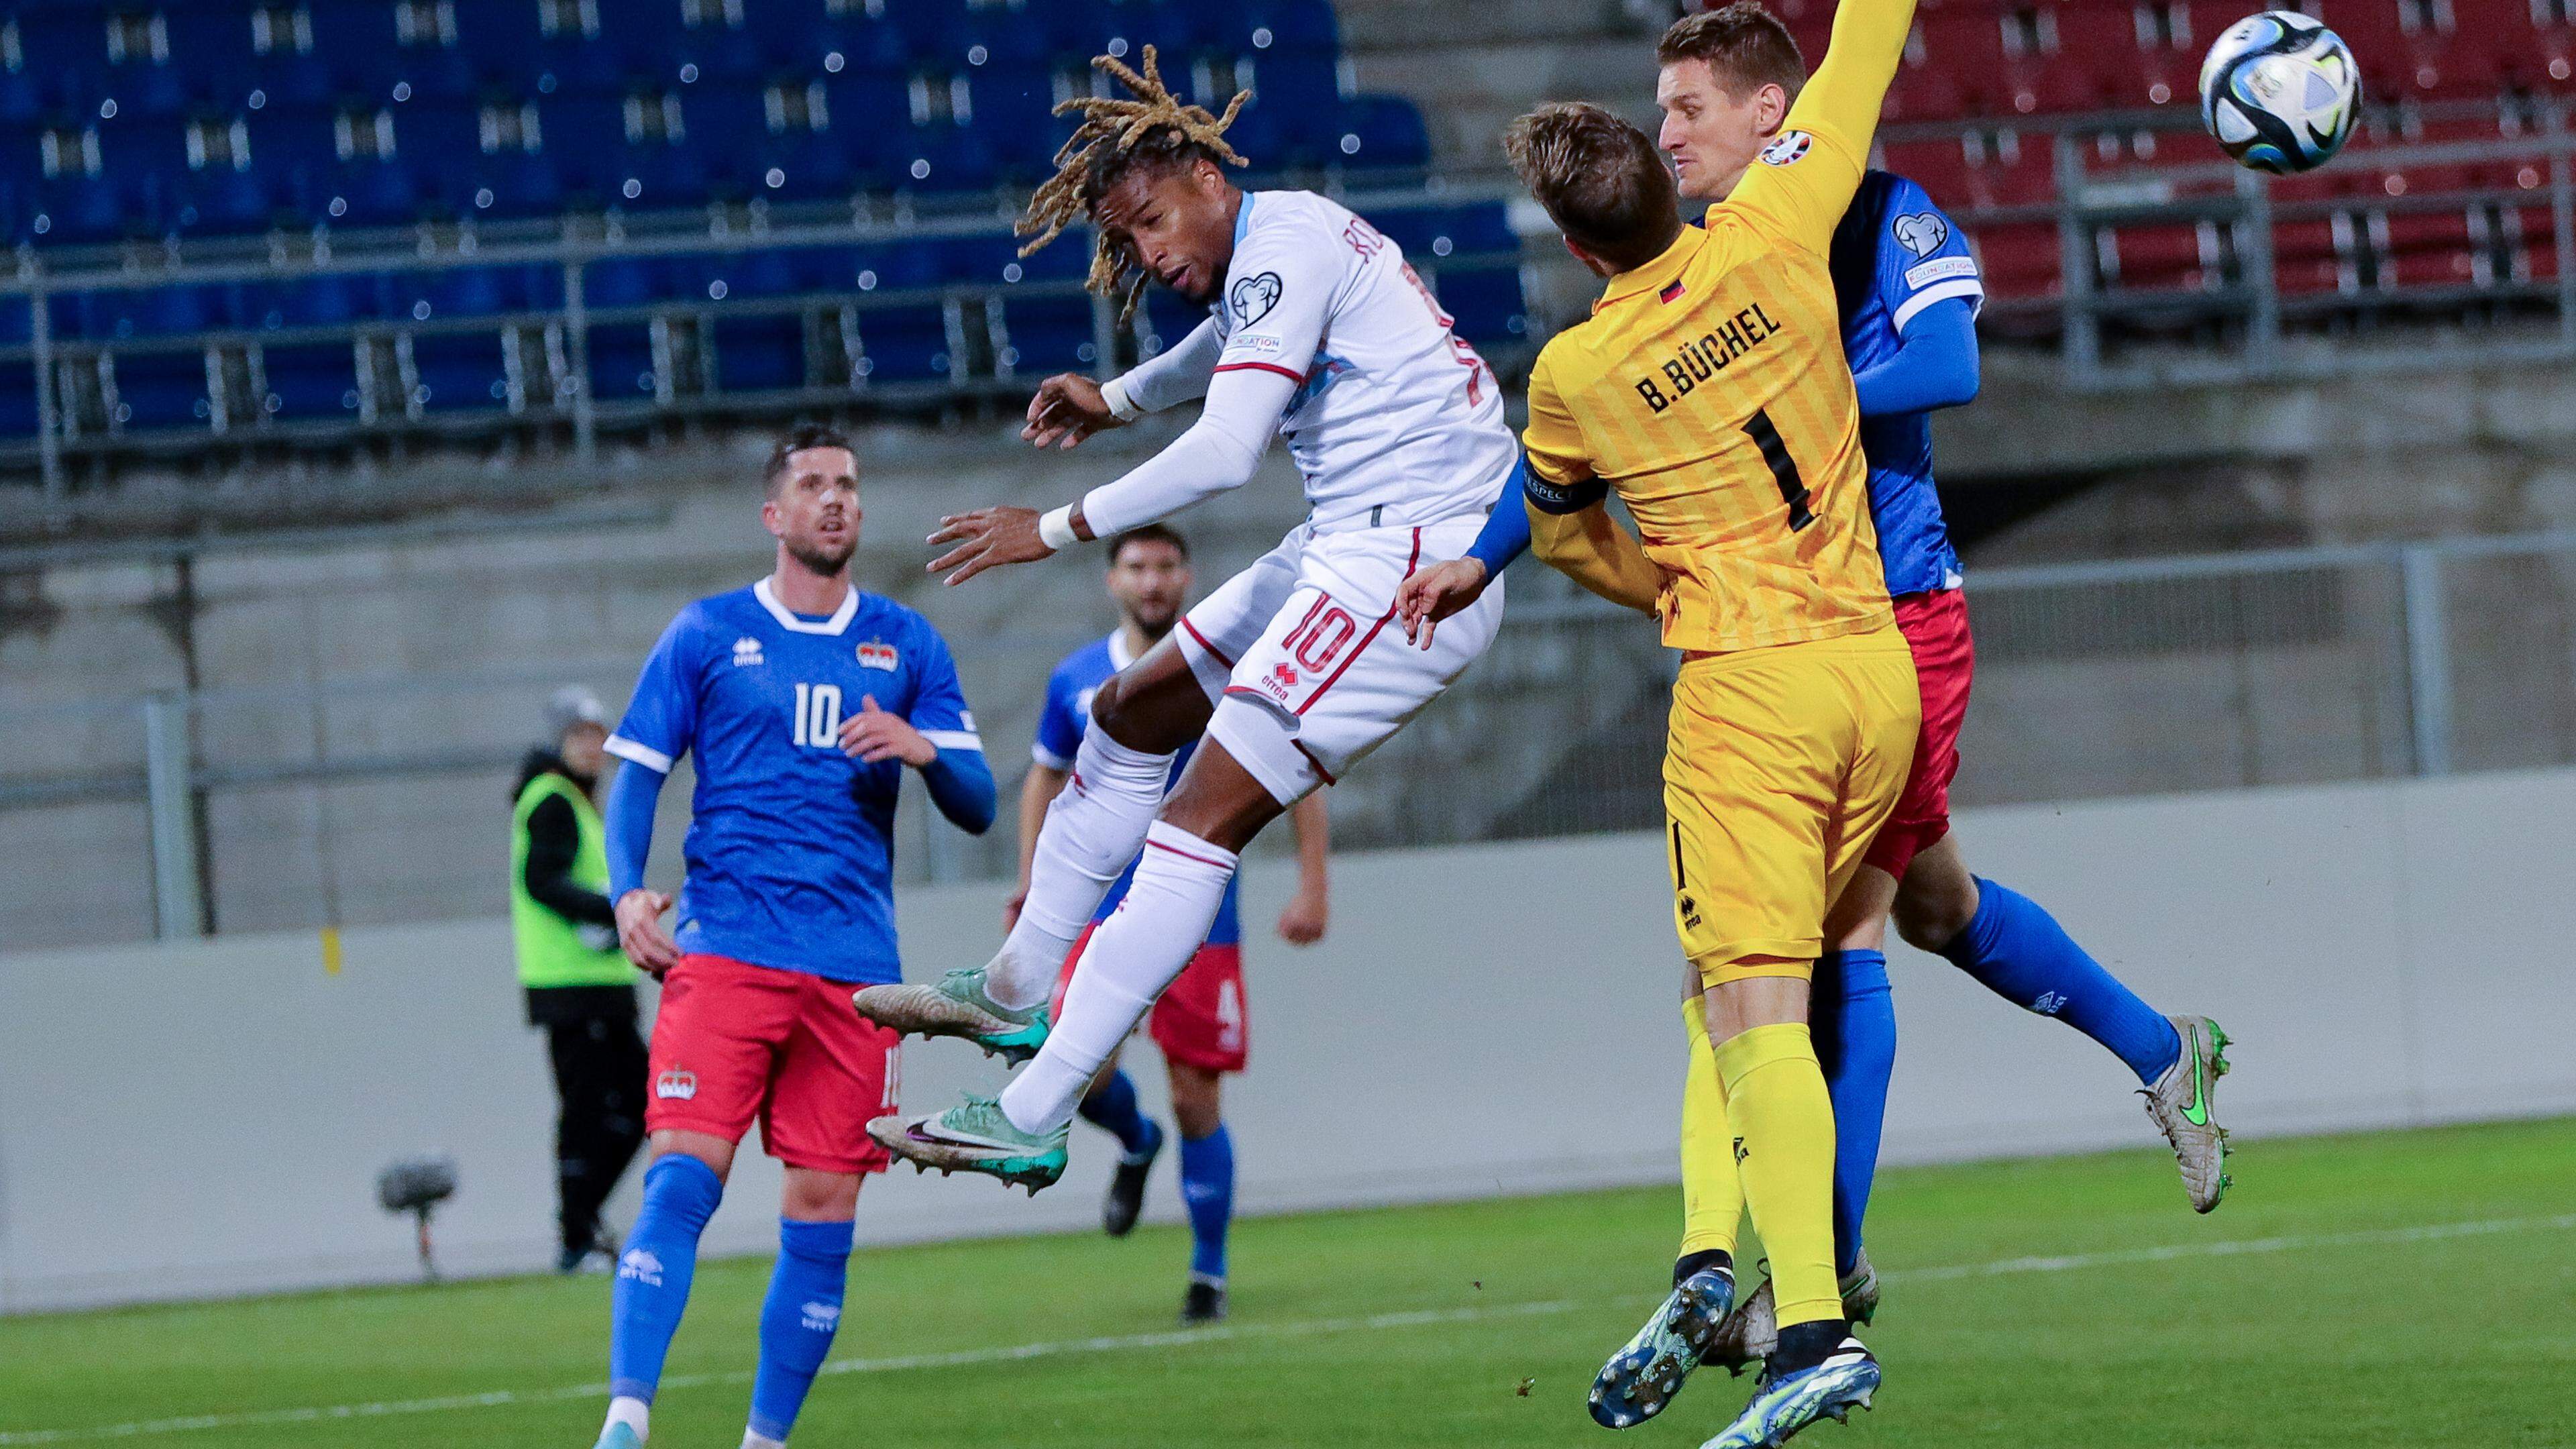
[[956, 1006], [1783, 1404], [1641, 1378], [2183, 1104], [974, 1136]]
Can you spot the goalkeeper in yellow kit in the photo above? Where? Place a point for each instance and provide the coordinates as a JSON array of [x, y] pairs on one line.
[[1710, 391]]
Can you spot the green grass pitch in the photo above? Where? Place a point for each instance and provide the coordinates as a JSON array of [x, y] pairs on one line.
[[2400, 1289]]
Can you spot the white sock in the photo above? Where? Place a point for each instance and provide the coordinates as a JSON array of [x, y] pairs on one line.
[[751, 1440], [633, 1413], [1132, 957], [1092, 831]]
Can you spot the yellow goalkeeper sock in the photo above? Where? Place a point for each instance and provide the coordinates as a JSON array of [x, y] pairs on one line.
[[1712, 1195], [1784, 1147]]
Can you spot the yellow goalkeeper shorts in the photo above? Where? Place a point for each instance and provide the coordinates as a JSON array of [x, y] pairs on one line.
[[1781, 765]]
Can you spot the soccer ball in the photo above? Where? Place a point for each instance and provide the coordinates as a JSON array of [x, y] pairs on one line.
[[2280, 92]]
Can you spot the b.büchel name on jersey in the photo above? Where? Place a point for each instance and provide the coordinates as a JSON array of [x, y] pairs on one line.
[[1705, 356]]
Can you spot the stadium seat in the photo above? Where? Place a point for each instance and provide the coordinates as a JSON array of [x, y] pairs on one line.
[[2018, 259], [1049, 334], [17, 400], [1484, 303], [760, 353], [160, 390], [903, 344], [621, 362], [459, 372], [1382, 133], [311, 383]]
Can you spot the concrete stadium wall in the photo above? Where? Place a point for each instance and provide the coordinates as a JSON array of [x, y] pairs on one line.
[[208, 1118]]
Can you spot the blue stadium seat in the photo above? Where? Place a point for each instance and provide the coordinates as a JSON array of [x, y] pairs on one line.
[[958, 158], [1292, 26], [459, 372], [82, 210], [17, 400], [161, 390], [764, 273], [500, 40], [624, 281], [825, 269], [1382, 133], [1013, 112], [621, 362], [372, 193], [511, 184], [1166, 318], [1485, 302], [655, 176], [316, 382], [226, 200], [23, 97], [1049, 334], [806, 167], [1005, 37], [161, 311], [760, 353], [1429, 233], [904, 344]]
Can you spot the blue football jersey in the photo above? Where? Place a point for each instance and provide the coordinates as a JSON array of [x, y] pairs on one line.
[[1894, 255], [790, 849], [1060, 726]]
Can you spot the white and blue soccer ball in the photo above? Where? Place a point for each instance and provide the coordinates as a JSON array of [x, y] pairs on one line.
[[2280, 92]]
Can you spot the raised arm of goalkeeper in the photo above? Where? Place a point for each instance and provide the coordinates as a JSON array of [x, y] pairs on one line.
[[1807, 175]]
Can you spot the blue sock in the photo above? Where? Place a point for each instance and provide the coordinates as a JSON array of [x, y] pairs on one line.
[[797, 1320], [680, 1194], [1207, 1188], [1112, 1108], [2022, 955], [1853, 1021]]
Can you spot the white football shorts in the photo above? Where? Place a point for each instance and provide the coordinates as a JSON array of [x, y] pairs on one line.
[[1306, 661]]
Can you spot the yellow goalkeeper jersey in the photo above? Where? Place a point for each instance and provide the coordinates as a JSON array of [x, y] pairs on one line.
[[1709, 386]]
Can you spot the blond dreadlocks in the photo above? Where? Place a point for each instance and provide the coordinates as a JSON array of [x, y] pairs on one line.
[[1153, 126]]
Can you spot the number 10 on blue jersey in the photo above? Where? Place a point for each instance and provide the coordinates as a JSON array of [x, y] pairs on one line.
[[817, 722]]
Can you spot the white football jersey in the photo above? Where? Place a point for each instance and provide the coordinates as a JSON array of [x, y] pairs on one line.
[[1395, 420]]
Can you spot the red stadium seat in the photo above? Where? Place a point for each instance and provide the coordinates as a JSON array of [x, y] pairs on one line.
[[2430, 248], [2019, 259], [2016, 169], [2304, 259], [2163, 257], [1934, 165]]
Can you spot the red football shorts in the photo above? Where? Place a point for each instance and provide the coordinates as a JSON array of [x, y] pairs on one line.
[[733, 1042], [1945, 662], [1199, 1021]]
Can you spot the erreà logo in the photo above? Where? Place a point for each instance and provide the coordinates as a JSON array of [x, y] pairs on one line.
[[821, 1317], [1787, 148], [677, 1084], [746, 652]]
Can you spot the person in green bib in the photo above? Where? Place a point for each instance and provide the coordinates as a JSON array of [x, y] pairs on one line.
[[580, 989]]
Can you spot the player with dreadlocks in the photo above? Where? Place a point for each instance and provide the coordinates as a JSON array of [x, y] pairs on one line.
[[1318, 330]]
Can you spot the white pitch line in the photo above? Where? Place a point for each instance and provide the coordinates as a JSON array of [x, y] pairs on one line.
[[1299, 1328]]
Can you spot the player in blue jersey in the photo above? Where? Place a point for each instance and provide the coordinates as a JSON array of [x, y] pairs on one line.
[[1200, 1021], [805, 702], [1909, 289]]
